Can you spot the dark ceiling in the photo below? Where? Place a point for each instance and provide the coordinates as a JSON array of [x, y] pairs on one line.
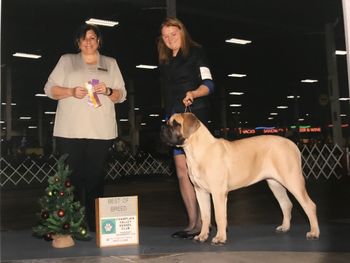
[[288, 45]]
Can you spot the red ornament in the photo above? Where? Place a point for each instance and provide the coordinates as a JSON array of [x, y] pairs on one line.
[[61, 193], [45, 215], [68, 183], [60, 213], [66, 226], [48, 236]]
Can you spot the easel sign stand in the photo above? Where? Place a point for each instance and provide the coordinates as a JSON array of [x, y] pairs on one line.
[[117, 221]]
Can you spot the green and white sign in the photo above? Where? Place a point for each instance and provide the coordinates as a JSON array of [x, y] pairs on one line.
[[117, 221]]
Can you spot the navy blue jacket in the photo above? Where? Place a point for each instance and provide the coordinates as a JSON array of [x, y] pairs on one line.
[[184, 74]]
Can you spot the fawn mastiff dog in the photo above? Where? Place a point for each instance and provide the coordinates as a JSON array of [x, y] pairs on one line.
[[217, 166]]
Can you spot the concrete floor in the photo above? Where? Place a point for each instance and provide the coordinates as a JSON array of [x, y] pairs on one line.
[[253, 214]]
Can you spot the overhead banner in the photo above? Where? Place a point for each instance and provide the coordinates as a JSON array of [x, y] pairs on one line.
[[117, 221]]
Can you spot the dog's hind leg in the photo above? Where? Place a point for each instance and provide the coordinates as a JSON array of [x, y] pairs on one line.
[[286, 205], [204, 202], [299, 191]]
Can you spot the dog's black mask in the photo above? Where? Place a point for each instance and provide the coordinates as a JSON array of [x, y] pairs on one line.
[[170, 134]]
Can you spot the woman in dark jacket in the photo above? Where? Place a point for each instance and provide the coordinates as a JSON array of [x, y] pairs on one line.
[[186, 81]]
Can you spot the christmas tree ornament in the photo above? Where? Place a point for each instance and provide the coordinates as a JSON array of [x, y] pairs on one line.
[[48, 236], [61, 193], [54, 192], [66, 226], [83, 231], [68, 183], [44, 215], [60, 213], [49, 193]]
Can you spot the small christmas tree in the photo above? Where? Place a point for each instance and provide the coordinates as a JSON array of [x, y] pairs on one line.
[[60, 215]]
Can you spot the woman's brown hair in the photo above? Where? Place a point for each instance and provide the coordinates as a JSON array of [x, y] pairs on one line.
[[164, 53], [81, 33]]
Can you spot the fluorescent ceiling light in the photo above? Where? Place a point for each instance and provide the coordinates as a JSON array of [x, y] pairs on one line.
[[143, 124], [235, 105], [25, 118], [123, 120], [237, 93], [32, 127], [343, 115], [344, 99], [154, 115], [146, 66], [12, 103], [101, 22], [2, 122], [340, 52], [50, 112], [238, 41], [274, 113], [236, 75], [136, 108], [309, 80], [270, 118], [301, 119], [26, 55], [292, 97], [40, 95], [282, 107]]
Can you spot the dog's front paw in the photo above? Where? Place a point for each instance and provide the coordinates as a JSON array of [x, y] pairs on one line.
[[218, 240], [312, 236], [201, 237], [282, 229]]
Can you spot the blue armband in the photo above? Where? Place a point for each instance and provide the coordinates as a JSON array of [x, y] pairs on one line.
[[210, 84]]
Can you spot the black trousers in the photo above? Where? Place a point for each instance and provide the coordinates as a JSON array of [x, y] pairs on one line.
[[87, 160]]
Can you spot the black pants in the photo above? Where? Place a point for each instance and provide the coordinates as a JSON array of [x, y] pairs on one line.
[[86, 159]]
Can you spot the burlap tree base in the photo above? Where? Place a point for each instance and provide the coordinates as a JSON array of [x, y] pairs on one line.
[[62, 241]]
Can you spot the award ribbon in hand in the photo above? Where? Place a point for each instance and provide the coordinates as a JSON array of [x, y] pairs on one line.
[[93, 99]]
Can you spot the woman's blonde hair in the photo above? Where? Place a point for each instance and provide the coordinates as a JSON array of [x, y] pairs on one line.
[[164, 53]]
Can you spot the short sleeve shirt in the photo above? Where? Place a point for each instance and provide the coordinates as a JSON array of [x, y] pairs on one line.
[[77, 118]]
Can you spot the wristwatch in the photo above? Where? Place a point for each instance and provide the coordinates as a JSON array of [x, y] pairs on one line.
[[109, 91]]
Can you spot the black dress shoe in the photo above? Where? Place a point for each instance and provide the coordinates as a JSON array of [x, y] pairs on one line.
[[178, 234], [189, 235], [185, 234]]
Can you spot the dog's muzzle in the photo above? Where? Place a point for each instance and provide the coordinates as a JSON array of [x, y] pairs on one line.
[[171, 136]]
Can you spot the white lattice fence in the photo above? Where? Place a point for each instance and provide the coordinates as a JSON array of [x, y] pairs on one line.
[[317, 160], [322, 160], [144, 165], [27, 171], [14, 172]]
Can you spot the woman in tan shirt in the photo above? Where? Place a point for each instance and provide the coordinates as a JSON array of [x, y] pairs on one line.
[[87, 85]]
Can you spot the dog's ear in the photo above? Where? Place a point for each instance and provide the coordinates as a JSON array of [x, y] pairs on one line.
[[190, 124]]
